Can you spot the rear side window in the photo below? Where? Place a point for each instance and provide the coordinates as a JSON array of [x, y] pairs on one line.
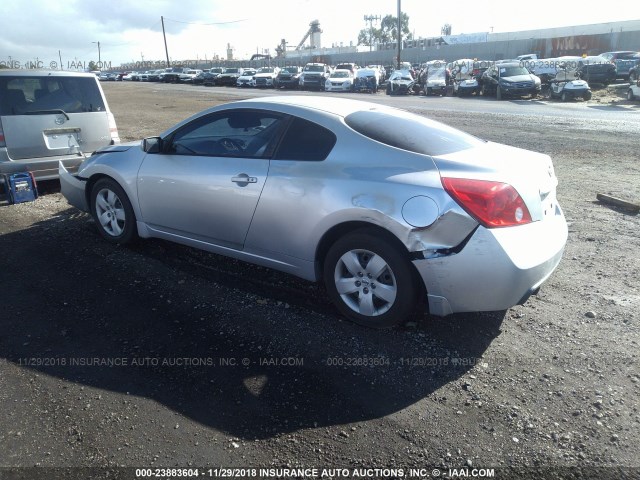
[[410, 132], [305, 140], [20, 95]]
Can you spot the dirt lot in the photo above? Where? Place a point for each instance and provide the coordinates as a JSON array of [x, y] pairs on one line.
[[161, 356]]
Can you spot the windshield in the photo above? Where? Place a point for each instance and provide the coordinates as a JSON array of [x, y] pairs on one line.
[[290, 70], [513, 71], [265, 70], [340, 75], [232, 70], [314, 68], [248, 73]]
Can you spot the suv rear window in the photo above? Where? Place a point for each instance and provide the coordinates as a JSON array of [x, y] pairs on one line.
[[410, 132], [20, 95]]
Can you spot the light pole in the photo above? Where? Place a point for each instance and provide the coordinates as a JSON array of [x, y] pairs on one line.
[[399, 33], [99, 57]]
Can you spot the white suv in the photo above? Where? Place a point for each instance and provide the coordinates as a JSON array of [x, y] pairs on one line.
[[46, 117]]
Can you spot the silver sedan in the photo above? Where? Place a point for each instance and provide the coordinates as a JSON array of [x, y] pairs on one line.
[[385, 207]]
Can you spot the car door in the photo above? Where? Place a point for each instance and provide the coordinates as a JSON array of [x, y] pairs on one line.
[[206, 182]]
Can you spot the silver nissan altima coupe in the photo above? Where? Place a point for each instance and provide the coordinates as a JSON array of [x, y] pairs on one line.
[[385, 207]]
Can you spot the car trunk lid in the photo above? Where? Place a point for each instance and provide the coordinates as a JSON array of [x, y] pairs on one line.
[[530, 173]]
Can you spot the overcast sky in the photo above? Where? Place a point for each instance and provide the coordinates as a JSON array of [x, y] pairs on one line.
[[129, 31]]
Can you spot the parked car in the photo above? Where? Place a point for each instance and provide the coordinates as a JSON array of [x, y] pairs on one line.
[[434, 78], [288, 77], [466, 75], [107, 77], [385, 206], [401, 82], [246, 79], [172, 75], [339, 81], [314, 76], [367, 80], [634, 71], [352, 67], [47, 117], [265, 77], [144, 76], [154, 75], [509, 80], [189, 75], [229, 77], [597, 69], [209, 78], [623, 60]]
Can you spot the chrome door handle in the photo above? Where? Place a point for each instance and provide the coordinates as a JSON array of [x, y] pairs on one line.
[[244, 178]]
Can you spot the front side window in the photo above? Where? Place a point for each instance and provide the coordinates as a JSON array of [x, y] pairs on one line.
[[237, 133]]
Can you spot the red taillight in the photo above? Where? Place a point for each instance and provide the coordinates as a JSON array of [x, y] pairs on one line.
[[492, 204], [2, 140]]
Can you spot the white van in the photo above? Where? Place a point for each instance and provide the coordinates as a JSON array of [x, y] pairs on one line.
[[47, 116]]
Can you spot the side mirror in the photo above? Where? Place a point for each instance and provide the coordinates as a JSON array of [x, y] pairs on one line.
[[152, 145]]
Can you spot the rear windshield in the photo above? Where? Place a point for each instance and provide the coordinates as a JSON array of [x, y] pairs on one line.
[[20, 95], [410, 132]]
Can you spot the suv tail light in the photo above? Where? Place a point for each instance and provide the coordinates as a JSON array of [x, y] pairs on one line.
[[492, 204], [113, 129], [2, 141]]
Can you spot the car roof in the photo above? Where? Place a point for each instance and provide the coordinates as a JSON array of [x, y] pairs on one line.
[[509, 64], [43, 73], [336, 106]]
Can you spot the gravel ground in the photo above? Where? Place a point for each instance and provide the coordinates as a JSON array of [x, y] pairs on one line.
[[157, 355]]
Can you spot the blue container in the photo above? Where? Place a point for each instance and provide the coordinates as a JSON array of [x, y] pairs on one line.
[[22, 187]]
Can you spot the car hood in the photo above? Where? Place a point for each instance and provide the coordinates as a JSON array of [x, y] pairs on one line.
[[518, 78], [530, 173], [122, 147]]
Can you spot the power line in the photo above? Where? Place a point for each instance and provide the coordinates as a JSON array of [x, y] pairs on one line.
[[207, 24]]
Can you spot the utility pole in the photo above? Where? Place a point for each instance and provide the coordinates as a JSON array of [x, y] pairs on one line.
[[99, 57], [371, 19], [399, 33], [166, 51]]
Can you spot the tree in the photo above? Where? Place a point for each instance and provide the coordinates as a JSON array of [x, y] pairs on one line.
[[93, 66], [388, 31]]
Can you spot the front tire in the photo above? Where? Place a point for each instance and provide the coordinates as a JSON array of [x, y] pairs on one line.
[[630, 95], [112, 212], [370, 280], [498, 93]]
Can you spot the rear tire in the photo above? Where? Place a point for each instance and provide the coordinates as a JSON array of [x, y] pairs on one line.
[[564, 97], [370, 280], [586, 96], [498, 93], [630, 95]]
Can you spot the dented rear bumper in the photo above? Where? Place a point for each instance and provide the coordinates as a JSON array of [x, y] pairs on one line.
[[497, 268]]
